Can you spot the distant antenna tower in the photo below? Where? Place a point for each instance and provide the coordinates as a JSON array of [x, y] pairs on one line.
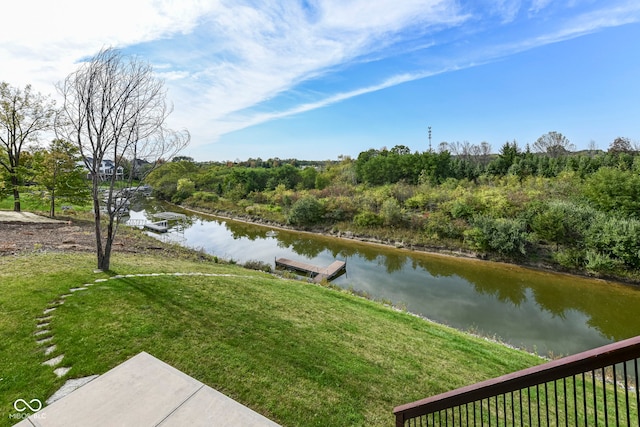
[[430, 139]]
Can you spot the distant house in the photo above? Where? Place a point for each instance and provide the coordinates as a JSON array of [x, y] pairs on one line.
[[107, 170]]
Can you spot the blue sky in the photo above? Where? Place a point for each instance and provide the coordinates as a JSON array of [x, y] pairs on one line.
[[316, 79]]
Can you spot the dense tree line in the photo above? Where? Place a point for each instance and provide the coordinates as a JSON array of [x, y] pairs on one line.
[[573, 210]]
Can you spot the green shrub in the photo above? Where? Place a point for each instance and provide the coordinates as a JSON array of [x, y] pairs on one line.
[[184, 190], [440, 225], [502, 235], [600, 263], [340, 208], [258, 265], [367, 219], [204, 196], [618, 238], [306, 211], [391, 212], [612, 189], [563, 223], [569, 258]]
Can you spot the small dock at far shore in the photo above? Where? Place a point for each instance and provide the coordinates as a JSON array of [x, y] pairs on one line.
[[330, 272], [158, 226]]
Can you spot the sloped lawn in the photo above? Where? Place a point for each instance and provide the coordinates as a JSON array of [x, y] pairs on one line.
[[300, 354]]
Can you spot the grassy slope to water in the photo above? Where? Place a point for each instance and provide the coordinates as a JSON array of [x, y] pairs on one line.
[[300, 354]]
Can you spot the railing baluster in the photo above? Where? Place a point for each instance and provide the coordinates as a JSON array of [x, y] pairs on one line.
[[626, 392], [604, 397], [615, 393], [513, 411], [474, 413], [546, 402], [566, 400], [555, 398], [584, 397], [595, 400], [637, 392], [529, 400], [520, 399], [538, 401]]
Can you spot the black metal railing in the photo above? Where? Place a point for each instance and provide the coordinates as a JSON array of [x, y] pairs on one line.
[[594, 388]]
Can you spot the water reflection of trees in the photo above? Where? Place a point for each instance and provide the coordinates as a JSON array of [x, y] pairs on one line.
[[300, 245], [602, 303], [484, 280], [608, 307], [239, 230]]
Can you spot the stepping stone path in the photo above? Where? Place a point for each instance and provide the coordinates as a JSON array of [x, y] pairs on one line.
[[44, 335]]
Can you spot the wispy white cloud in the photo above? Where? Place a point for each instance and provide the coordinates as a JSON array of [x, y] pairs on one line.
[[241, 121], [575, 26], [508, 9], [227, 62], [538, 5], [43, 40], [299, 48], [267, 51]]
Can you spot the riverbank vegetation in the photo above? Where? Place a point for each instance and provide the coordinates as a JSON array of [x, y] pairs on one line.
[[558, 209], [300, 354]]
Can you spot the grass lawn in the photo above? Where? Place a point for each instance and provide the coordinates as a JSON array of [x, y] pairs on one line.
[[33, 202], [300, 354]]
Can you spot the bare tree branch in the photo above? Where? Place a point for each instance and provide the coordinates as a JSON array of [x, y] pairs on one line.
[[115, 110]]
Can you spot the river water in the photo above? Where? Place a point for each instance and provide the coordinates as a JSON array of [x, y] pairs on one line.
[[548, 313]]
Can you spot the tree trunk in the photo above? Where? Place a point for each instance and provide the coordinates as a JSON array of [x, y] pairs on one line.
[[105, 261], [106, 256], [52, 209], [96, 217], [16, 193]]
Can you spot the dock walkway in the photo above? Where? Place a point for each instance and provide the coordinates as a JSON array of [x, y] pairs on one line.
[[317, 273], [158, 226]]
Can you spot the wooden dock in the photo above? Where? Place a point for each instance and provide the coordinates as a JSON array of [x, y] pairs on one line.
[[335, 269], [158, 226]]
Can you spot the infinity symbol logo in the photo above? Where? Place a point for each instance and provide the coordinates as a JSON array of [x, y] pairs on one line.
[[25, 405]]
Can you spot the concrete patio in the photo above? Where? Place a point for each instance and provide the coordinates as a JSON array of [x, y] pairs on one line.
[[144, 391]]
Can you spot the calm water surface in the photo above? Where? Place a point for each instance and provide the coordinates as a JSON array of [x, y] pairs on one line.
[[544, 312]]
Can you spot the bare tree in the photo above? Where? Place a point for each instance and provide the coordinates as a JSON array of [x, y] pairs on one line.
[[444, 146], [554, 144], [114, 110], [621, 145], [23, 115]]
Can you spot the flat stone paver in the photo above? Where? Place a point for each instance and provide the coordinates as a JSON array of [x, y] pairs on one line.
[[44, 340], [144, 391], [69, 386], [61, 372], [54, 361]]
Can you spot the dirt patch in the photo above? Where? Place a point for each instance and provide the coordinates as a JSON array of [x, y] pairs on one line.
[[63, 236], [77, 234], [11, 216], [18, 237]]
